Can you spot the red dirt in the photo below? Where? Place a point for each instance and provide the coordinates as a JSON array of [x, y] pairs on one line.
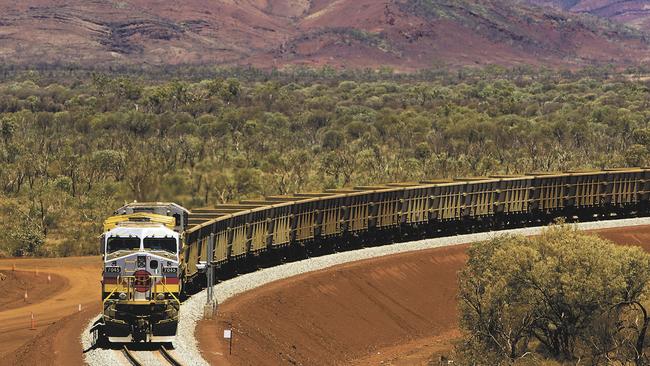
[[58, 322], [36, 285], [338, 315], [58, 344], [397, 310], [637, 236]]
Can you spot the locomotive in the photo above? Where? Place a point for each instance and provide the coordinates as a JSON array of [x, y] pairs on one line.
[[143, 276]]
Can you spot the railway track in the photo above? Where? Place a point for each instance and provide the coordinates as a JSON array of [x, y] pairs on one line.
[[164, 352], [130, 357], [169, 357]]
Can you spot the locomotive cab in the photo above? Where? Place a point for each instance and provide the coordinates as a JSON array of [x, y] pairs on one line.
[[141, 281]]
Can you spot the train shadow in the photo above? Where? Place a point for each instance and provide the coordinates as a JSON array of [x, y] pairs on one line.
[[100, 341]]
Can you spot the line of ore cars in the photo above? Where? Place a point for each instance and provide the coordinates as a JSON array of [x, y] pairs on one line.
[[152, 250]]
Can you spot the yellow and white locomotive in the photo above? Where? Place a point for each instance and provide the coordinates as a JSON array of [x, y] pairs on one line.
[[142, 278]]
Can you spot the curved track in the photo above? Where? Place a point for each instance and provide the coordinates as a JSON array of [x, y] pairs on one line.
[[232, 239], [186, 345], [399, 307], [252, 232]]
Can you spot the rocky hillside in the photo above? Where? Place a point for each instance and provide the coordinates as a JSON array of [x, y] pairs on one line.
[[635, 13], [405, 34]]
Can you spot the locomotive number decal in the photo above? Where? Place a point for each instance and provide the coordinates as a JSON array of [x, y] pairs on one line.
[[113, 270], [170, 269]]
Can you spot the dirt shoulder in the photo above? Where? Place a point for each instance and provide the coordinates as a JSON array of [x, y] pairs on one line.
[[339, 314], [397, 310]]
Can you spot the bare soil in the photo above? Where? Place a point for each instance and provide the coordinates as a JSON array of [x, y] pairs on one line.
[[397, 310], [15, 284], [277, 33], [55, 339], [339, 315]]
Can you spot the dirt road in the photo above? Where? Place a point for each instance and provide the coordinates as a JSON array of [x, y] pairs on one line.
[[55, 306]]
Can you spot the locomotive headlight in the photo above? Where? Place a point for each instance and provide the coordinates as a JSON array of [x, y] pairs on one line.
[[160, 296], [122, 296], [142, 261]]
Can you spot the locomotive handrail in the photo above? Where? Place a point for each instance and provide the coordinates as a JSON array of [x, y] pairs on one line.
[[164, 285], [127, 283], [109, 296]]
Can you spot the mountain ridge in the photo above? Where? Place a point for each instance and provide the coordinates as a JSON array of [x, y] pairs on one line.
[[634, 13], [404, 34]]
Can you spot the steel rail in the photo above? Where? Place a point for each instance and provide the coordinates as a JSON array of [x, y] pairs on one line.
[[168, 356], [129, 356]]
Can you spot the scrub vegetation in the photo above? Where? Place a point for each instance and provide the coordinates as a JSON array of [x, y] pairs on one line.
[[74, 144], [564, 296]]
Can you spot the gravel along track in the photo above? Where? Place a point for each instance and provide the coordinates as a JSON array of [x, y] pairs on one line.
[[186, 347]]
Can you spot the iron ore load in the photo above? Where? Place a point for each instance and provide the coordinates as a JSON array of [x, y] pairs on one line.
[[152, 251]]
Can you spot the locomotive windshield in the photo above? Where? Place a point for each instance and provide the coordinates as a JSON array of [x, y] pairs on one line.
[[166, 244], [116, 243]]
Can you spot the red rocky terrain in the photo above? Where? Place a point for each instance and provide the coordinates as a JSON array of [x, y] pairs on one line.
[[404, 34], [635, 13]]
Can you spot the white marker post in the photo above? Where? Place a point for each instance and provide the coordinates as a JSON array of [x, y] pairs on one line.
[[227, 334], [210, 305]]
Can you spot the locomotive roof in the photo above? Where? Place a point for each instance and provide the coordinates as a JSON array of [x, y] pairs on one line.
[[138, 219], [142, 231], [153, 204]]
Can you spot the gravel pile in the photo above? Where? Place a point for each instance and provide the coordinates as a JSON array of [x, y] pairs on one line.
[[186, 347]]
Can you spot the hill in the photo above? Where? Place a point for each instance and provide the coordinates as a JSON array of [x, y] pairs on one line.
[[634, 13], [405, 34]]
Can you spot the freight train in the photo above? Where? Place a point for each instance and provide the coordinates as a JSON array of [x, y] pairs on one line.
[[153, 250]]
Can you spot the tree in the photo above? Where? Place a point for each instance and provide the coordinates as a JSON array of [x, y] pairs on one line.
[[333, 140], [7, 129], [565, 294]]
